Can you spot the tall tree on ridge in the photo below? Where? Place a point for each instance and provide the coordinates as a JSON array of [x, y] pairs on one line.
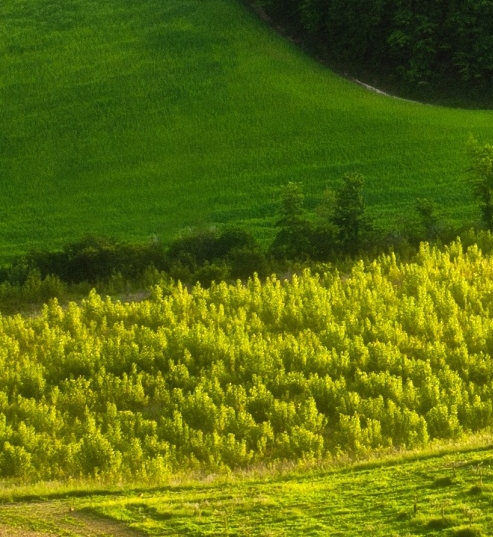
[[481, 178]]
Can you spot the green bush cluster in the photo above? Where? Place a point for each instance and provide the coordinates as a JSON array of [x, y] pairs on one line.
[[386, 355], [201, 256], [197, 257], [214, 256], [341, 228]]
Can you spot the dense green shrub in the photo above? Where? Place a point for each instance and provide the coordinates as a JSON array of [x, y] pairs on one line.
[[213, 255], [203, 256], [95, 258]]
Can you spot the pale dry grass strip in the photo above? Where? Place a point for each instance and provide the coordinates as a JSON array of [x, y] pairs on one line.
[[63, 520]]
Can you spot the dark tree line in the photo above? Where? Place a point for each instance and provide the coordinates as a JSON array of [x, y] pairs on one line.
[[212, 254], [421, 48], [338, 229]]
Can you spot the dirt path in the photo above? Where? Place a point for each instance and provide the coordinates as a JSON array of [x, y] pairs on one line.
[[57, 518], [380, 92]]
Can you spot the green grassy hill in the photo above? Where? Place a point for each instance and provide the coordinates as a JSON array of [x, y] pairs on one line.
[[143, 118]]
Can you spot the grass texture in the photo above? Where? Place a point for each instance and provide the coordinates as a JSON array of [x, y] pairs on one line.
[[437, 493], [142, 118]]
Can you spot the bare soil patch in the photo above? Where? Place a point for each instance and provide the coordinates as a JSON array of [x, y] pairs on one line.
[[46, 519]]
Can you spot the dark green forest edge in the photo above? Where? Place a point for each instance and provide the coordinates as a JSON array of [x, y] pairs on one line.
[[440, 52]]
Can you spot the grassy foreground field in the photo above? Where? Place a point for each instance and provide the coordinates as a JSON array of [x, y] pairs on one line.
[[448, 494], [142, 118]]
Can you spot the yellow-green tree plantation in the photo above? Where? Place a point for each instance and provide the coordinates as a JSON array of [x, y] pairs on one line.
[[389, 355]]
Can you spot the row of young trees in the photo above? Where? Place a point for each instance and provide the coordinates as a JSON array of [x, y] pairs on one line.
[[338, 229], [423, 47], [341, 229], [388, 355], [206, 256]]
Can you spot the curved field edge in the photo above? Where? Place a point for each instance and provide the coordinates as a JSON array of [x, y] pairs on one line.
[[142, 119], [441, 493]]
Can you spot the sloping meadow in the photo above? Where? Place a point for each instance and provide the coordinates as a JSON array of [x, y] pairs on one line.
[[313, 366], [139, 119]]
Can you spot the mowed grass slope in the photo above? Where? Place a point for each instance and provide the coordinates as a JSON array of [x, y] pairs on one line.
[[144, 117], [448, 494]]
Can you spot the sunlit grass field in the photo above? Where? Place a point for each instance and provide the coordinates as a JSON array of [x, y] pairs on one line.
[[143, 118], [431, 497], [448, 494]]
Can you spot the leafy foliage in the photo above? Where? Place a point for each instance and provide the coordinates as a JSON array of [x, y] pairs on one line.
[[481, 178], [214, 256], [293, 239], [349, 213], [202, 256], [387, 355], [427, 211], [343, 223]]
